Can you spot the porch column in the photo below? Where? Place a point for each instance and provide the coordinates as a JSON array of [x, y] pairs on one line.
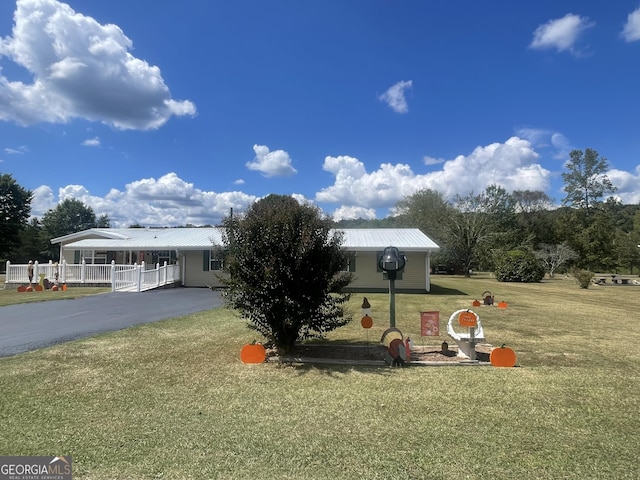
[[427, 261]]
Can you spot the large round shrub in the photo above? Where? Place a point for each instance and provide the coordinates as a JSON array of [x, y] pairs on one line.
[[285, 268], [519, 266]]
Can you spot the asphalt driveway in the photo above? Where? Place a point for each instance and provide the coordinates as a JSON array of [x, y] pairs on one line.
[[31, 326]]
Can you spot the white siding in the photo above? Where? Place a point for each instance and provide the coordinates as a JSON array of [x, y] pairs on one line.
[[367, 276], [195, 275]]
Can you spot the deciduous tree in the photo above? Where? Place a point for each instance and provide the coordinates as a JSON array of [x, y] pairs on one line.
[[70, 216], [427, 210], [554, 256]]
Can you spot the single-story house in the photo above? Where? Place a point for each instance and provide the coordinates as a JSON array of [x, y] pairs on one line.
[[197, 251]]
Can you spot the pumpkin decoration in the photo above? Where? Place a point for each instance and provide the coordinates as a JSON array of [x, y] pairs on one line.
[[29, 289], [253, 353], [475, 303], [468, 319], [444, 347], [503, 357], [366, 322], [54, 288], [22, 288], [502, 304]]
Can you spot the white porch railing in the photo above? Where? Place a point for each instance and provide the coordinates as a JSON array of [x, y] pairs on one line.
[[121, 277], [137, 279]]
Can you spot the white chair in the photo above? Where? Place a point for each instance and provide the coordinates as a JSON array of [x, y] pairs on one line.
[[467, 339]]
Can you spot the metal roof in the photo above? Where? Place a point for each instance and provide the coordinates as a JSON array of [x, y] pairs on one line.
[[148, 239], [373, 239], [362, 239]]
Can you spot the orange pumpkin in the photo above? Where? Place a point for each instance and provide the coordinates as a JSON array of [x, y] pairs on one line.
[[475, 303], [503, 357], [29, 289], [253, 353], [502, 304], [54, 288], [22, 288], [366, 322]]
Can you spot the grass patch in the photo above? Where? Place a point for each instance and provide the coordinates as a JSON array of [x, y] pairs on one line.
[[11, 296], [172, 400]]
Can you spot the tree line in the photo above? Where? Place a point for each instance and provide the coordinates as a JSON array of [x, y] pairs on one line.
[[591, 230]]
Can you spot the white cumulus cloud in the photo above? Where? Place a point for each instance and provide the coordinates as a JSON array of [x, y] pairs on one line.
[[353, 213], [561, 33], [80, 69], [166, 201], [395, 96], [631, 30], [271, 164], [512, 165], [627, 184], [43, 200]]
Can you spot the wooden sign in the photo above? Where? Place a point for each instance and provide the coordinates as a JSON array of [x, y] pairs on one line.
[[430, 324], [468, 319]]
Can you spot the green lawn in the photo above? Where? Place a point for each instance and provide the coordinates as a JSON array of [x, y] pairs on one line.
[[172, 400], [11, 296]]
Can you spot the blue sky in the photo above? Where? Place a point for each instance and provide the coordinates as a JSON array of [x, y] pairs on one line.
[[170, 112]]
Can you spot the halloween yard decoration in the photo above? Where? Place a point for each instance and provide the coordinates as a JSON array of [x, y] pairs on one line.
[[367, 321], [398, 349], [488, 298], [503, 357], [253, 353], [467, 340]]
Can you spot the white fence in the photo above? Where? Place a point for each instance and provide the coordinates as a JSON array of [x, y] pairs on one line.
[[132, 278]]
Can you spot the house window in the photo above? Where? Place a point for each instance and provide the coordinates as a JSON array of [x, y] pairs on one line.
[[92, 257], [351, 263], [213, 260], [161, 256], [216, 262]]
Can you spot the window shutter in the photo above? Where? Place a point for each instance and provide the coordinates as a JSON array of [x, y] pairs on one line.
[[206, 260]]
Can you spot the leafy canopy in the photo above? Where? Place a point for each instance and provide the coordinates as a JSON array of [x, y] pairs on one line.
[[285, 271], [585, 183], [15, 208]]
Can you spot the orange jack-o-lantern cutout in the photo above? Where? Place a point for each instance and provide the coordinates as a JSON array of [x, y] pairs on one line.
[[366, 322], [467, 319], [475, 303], [253, 353], [502, 304], [22, 288], [54, 288], [29, 289], [503, 357]]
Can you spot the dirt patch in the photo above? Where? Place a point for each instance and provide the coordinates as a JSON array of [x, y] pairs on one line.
[[376, 352]]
